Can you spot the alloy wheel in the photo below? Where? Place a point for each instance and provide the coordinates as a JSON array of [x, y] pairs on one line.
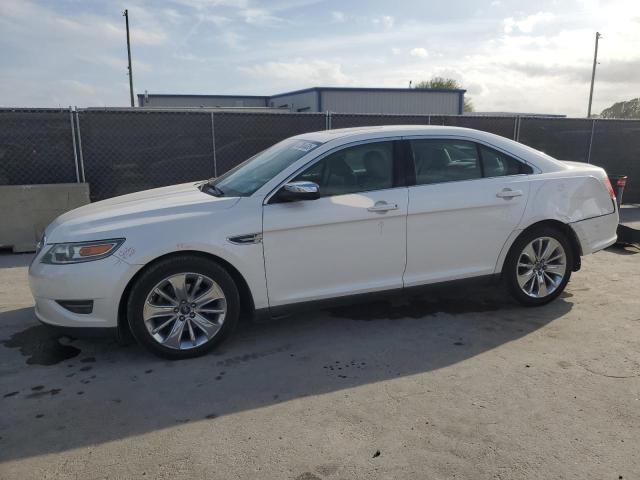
[[542, 265], [184, 311]]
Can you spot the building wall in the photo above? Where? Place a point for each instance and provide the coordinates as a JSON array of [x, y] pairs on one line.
[[305, 101], [372, 101], [173, 101], [390, 102]]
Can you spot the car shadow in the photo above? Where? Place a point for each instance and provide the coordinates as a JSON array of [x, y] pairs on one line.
[[624, 249], [63, 393]]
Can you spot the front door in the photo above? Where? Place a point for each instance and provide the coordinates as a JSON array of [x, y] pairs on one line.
[[351, 240]]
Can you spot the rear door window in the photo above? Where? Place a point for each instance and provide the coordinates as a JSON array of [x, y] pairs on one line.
[[439, 161]]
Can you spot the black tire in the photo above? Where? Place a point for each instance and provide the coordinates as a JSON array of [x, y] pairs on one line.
[[510, 268], [173, 266]]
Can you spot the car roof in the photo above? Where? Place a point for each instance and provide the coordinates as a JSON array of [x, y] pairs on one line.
[[346, 135], [343, 133]]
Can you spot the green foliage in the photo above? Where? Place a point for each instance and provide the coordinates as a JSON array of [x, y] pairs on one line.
[[450, 83], [628, 109], [439, 82]]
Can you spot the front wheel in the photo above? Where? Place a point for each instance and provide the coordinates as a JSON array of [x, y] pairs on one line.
[[538, 266], [183, 306]]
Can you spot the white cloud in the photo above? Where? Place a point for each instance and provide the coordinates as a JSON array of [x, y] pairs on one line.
[[231, 39], [300, 72], [535, 60], [217, 20], [419, 52], [207, 4], [385, 20], [527, 24], [259, 16], [338, 17]]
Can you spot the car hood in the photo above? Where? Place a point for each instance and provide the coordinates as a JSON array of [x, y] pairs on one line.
[[114, 216]]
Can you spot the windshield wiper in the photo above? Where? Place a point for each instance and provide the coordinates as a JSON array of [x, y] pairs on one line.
[[212, 188]]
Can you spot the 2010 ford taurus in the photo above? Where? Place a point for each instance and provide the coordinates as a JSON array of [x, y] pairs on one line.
[[320, 216]]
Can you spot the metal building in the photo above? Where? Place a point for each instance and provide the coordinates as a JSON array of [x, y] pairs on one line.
[[372, 100], [333, 99], [160, 100]]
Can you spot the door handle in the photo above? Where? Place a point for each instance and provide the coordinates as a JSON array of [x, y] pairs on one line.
[[382, 207], [507, 193]]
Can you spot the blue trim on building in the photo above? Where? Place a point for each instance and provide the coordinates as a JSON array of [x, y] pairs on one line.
[[265, 97], [365, 89]]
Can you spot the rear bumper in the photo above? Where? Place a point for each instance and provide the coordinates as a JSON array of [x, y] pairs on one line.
[[596, 233]]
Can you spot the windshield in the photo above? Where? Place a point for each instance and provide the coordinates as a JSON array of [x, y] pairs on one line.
[[252, 174]]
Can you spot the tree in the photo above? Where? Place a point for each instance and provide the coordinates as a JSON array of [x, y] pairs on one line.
[[628, 109], [449, 83]]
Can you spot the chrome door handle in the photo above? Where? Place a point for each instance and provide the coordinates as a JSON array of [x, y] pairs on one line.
[[382, 206], [507, 193]]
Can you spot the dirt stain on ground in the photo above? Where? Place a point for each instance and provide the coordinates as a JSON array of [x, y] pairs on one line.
[[41, 345], [44, 393]]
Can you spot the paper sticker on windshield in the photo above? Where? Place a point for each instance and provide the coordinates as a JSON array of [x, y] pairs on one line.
[[305, 146]]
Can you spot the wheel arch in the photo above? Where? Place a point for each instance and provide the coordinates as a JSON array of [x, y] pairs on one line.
[[247, 305], [565, 228]]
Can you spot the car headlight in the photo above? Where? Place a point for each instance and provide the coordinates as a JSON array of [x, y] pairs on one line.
[[65, 253]]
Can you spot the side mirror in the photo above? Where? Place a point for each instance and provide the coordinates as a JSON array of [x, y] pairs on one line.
[[294, 191]]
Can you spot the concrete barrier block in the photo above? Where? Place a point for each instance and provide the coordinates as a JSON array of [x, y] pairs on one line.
[[26, 210]]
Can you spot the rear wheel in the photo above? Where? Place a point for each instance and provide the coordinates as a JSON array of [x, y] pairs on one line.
[[538, 266], [183, 306]]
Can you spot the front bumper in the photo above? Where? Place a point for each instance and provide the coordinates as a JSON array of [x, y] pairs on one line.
[[102, 281]]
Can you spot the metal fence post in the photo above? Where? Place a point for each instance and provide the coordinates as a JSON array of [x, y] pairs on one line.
[[593, 127], [515, 129], [213, 145], [84, 180], [428, 119], [518, 131], [327, 120], [73, 138]]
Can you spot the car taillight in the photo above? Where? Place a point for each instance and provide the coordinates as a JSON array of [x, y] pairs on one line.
[[612, 194]]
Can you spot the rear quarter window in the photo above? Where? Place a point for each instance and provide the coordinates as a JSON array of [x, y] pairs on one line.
[[498, 164]]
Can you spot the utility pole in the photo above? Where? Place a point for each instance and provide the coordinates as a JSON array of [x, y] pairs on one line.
[[593, 73], [126, 19]]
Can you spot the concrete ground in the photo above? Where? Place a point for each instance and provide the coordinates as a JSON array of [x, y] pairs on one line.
[[458, 384]]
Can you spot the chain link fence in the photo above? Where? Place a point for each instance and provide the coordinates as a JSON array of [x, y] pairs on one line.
[[615, 146], [119, 151], [127, 151], [346, 120], [239, 136], [564, 138], [37, 146]]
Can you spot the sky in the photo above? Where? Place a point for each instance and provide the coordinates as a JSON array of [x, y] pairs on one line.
[[518, 56]]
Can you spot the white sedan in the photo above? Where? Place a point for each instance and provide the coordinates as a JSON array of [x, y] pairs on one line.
[[322, 217]]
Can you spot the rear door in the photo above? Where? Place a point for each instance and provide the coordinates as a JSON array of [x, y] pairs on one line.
[[466, 201]]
